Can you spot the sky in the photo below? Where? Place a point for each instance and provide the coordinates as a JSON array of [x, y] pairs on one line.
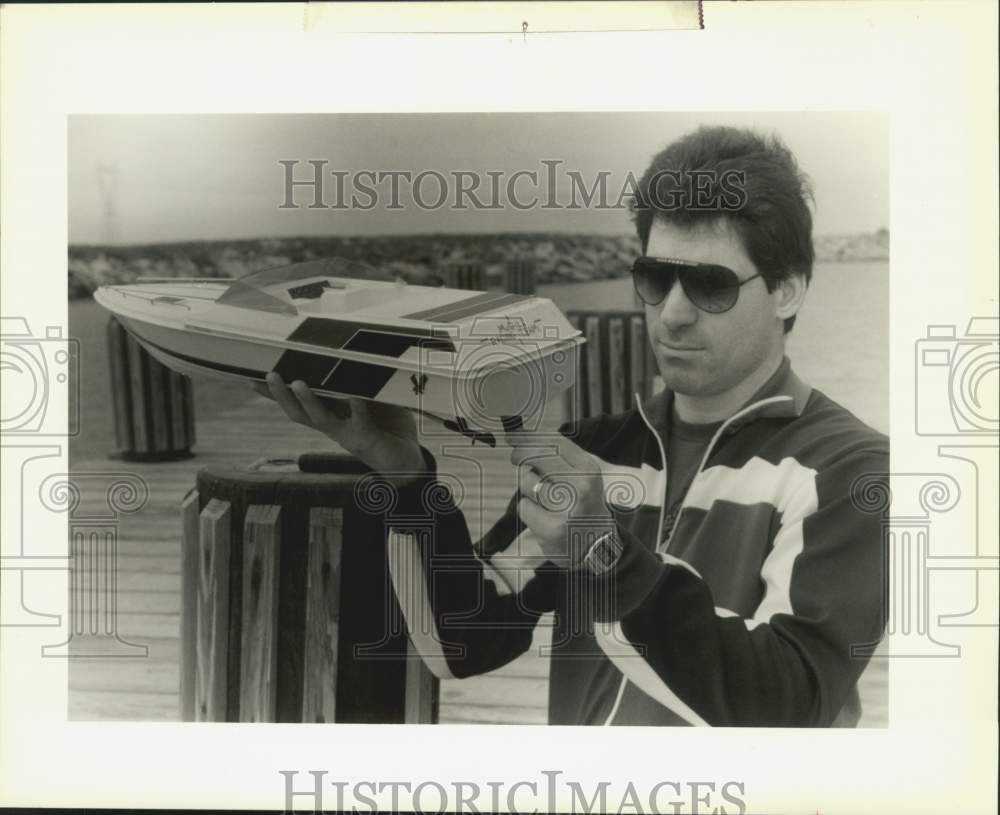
[[161, 178]]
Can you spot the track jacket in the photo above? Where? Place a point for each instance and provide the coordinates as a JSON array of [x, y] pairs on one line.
[[747, 613]]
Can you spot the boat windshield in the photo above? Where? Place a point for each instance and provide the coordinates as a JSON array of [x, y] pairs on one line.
[[274, 290]]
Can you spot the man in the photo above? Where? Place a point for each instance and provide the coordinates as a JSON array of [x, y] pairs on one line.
[[729, 584]]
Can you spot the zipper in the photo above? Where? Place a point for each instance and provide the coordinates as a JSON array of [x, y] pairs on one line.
[[661, 546], [659, 525], [663, 465]]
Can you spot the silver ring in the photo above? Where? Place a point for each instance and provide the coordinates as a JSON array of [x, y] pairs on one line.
[[536, 492]]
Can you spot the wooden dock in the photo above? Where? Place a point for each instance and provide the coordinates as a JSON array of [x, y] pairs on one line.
[[149, 579], [149, 583]]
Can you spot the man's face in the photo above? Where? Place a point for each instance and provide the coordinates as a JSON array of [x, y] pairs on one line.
[[701, 354]]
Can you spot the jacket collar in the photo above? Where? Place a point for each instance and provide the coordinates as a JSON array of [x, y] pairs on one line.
[[783, 395]]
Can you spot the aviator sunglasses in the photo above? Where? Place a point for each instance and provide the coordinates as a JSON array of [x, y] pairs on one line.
[[708, 286]]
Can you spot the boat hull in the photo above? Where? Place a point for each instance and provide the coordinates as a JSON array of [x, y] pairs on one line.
[[486, 388]]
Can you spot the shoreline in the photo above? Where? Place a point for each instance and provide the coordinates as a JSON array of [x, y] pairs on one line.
[[417, 259]]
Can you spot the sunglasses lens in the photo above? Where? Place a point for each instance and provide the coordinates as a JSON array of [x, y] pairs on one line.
[[714, 289], [711, 288], [653, 279]]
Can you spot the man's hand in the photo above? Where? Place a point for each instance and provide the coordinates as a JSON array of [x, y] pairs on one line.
[[562, 496], [383, 436]]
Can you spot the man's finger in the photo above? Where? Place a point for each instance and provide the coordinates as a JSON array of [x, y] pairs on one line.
[[543, 459], [361, 411], [286, 399], [574, 455], [554, 496], [521, 438], [544, 524], [527, 479], [340, 408], [317, 412], [262, 389]]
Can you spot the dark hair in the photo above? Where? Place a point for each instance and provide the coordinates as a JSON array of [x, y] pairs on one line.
[[736, 176]]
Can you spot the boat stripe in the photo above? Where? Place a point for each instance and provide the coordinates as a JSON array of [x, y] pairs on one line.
[[369, 338], [499, 302], [477, 304], [432, 313], [358, 378], [313, 369], [383, 343]]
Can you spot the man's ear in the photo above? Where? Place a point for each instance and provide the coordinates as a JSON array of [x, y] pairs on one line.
[[790, 294]]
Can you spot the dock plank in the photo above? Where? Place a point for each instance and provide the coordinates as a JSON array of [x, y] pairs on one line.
[[212, 635], [140, 628], [319, 691], [485, 714], [116, 706], [259, 651]]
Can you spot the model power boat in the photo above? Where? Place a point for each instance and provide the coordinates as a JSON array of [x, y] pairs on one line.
[[478, 362]]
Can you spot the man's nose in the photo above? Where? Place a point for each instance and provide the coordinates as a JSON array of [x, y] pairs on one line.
[[676, 310]]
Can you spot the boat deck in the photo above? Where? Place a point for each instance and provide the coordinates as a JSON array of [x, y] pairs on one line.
[[149, 585]]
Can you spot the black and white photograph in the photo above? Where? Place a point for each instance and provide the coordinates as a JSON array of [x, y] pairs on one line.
[[501, 418], [535, 417]]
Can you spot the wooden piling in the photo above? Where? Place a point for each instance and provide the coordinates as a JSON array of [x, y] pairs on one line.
[[258, 652], [189, 602], [212, 642], [520, 276], [615, 363], [319, 696], [465, 274], [152, 407], [278, 636]]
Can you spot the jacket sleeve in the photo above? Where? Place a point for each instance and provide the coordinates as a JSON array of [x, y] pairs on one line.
[[795, 662], [458, 620]]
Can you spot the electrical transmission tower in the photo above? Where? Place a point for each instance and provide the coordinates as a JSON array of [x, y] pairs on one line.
[[107, 182]]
